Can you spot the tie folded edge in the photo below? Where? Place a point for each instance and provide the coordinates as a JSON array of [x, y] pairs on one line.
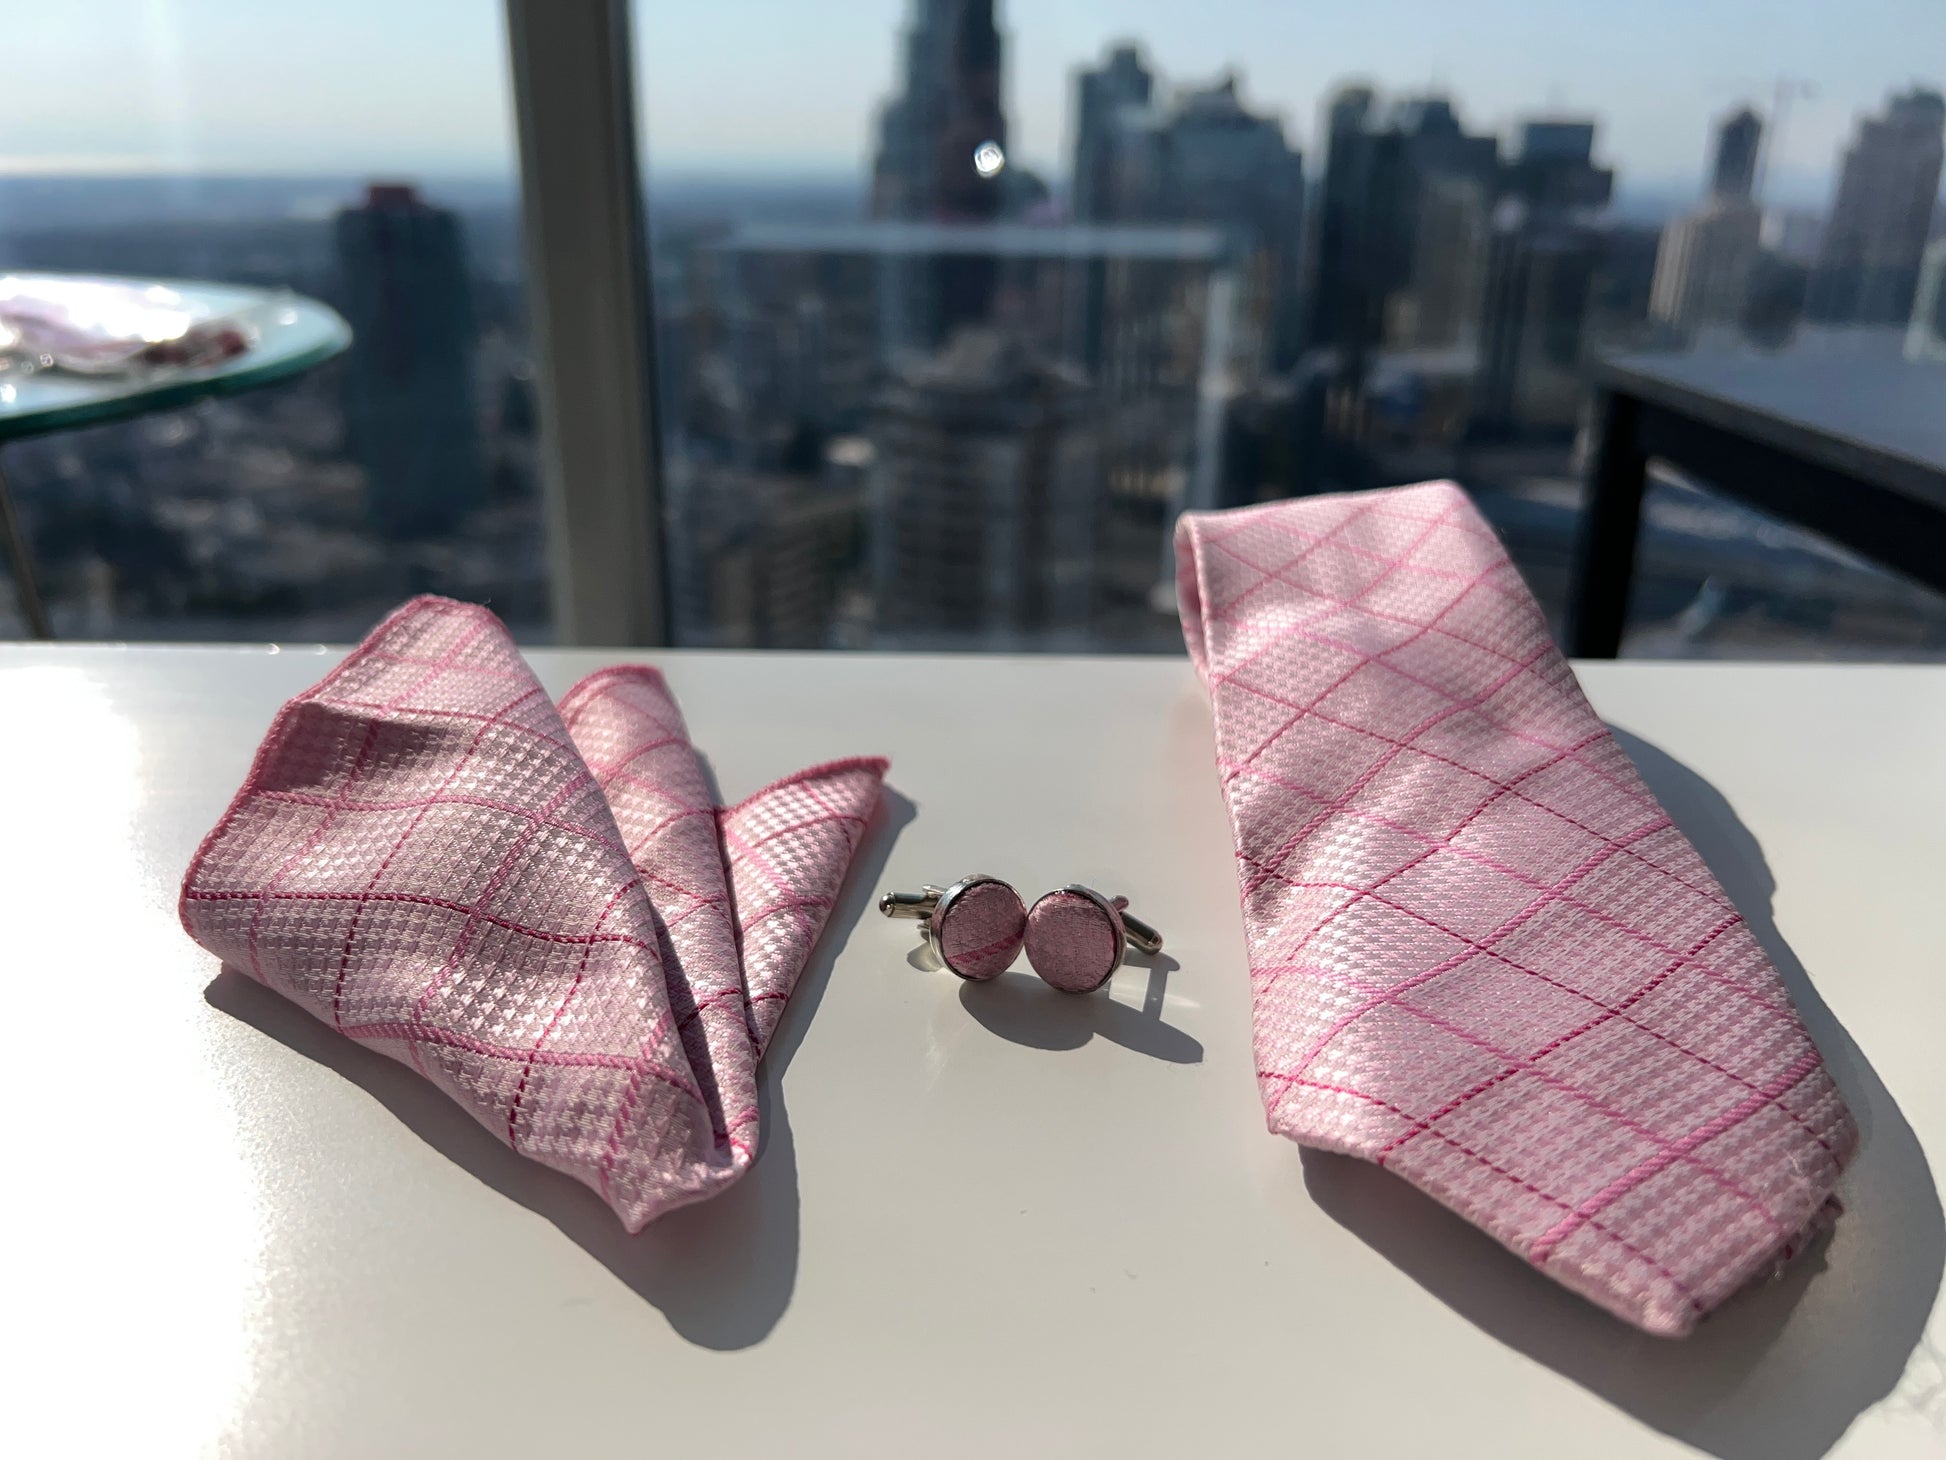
[[1190, 527]]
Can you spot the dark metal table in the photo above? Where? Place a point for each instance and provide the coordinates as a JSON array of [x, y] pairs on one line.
[[1850, 448]]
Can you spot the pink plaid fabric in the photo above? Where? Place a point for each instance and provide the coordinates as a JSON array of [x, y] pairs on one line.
[[1482, 955], [543, 912]]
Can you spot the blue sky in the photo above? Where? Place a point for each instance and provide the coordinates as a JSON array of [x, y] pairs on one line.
[[778, 86]]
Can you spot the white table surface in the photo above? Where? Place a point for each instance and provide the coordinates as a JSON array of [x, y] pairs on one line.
[[987, 1219]]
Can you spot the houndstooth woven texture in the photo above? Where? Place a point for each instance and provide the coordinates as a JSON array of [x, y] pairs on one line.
[[1482, 955], [543, 912]]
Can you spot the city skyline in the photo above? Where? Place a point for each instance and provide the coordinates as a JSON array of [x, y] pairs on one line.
[[852, 362], [197, 95]]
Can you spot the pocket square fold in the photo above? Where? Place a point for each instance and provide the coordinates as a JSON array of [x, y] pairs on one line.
[[543, 911]]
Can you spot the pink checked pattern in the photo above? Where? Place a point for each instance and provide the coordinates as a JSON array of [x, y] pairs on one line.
[[1482, 955], [543, 912]]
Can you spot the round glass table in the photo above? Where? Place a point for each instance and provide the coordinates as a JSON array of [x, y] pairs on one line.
[[289, 334]]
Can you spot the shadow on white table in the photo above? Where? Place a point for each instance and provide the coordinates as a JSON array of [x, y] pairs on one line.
[[1020, 1007], [1723, 1389]]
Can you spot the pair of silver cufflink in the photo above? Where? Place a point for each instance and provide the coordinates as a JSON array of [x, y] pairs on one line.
[[1074, 936]]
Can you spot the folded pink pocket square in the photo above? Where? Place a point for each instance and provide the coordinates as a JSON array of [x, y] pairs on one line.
[[541, 910]]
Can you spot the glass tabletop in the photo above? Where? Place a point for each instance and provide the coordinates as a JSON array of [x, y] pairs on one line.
[[292, 334]]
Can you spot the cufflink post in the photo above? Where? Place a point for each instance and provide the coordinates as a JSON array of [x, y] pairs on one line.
[[911, 904]]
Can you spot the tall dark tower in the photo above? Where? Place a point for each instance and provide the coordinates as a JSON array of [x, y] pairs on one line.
[[1378, 172], [966, 178], [1100, 97], [930, 162], [942, 147], [1737, 141], [409, 399], [1346, 164]]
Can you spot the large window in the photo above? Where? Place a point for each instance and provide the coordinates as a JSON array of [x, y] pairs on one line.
[[959, 303], [358, 154], [956, 304]]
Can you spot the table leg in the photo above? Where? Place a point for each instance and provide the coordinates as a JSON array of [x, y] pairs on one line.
[[1605, 555], [21, 561]]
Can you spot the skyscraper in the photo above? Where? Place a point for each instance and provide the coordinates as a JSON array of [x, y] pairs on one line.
[[1442, 307], [1704, 262], [1204, 158], [1108, 102], [1332, 309], [930, 161], [1738, 141], [766, 556], [1542, 261], [1379, 177], [410, 411], [1555, 166], [1542, 265], [985, 494], [942, 149], [1703, 265], [1868, 265], [1540, 277]]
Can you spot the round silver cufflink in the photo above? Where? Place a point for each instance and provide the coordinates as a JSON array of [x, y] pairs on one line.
[[975, 927], [1077, 937]]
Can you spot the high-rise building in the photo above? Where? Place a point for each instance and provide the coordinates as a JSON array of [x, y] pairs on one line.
[[1618, 310], [1738, 141], [1110, 103], [1225, 165], [767, 556], [1868, 264], [1379, 174], [410, 411], [1441, 309], [1555, 166], [932, 159], [1204, 158], [986, 496], [1704, 264], [1543, 261], [1332, 312], [1541, 268], [942, 147]]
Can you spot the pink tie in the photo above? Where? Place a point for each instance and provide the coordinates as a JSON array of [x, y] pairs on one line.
[[1482, 955], [543, 912]]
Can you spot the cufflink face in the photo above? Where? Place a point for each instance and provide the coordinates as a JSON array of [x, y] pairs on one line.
[[978, 927], [1075, 939]]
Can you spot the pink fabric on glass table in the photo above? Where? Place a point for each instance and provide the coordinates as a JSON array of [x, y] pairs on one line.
[[1483, 956], [545, 913]]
